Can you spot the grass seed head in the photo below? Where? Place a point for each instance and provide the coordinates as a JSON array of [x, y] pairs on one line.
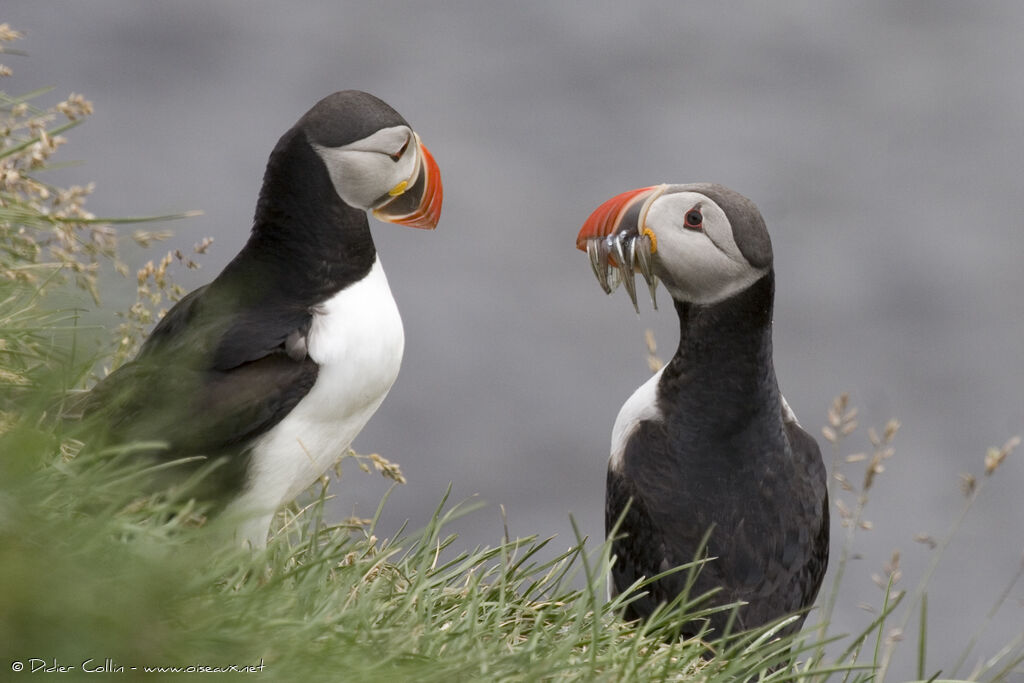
[[968, 484], [387, 468], [654, 363], [926, 539], [995, 457], [8, 34]]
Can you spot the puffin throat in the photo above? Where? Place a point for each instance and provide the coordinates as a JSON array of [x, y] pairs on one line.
[[724, 359]]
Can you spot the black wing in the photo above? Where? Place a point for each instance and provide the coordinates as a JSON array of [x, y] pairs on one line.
[[208, 380], [768, 541], [638, 547], [814, 512], [210, 328], [663, 527]]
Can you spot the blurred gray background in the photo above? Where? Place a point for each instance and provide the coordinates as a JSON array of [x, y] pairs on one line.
[[883, 142]]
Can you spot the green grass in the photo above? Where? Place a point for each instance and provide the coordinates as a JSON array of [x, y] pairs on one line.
[[94, 571]]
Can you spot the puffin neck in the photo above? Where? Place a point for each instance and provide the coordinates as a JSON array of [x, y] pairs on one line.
[[724, 361], [305, 239]]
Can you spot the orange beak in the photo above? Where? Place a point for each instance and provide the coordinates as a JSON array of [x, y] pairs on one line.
[[419, 204], [610, 216]]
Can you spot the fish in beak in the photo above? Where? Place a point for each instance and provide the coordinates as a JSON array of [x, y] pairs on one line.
[[619, 243]]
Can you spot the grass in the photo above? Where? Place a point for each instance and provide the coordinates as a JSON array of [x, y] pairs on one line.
[[96, 575], [92, 570]]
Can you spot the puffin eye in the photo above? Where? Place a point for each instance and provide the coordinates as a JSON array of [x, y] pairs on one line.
[[398, 155], [693, 220]]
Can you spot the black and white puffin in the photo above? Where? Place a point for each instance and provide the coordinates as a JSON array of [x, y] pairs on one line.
[[275, 366], [708, 444]]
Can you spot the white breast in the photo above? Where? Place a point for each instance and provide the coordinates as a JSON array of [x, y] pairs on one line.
[[357, 339], [642, 405]]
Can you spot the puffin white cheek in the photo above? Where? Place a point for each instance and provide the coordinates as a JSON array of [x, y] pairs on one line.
[[695, 270], [360, 178]]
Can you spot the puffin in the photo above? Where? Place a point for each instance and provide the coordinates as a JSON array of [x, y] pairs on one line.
[[707, 459], [263, 377]]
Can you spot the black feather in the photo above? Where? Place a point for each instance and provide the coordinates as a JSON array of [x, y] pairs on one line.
[[721, 457]]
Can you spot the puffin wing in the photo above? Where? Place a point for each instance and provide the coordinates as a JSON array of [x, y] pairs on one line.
[[661, 528], [815, 511], [206, 413], [637, 546], [664, 527], [239, 404], [207, 328], [200, 412], [206, 381]]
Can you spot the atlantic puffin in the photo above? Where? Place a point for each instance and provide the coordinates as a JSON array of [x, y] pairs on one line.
[[708, 445], [270, 371]]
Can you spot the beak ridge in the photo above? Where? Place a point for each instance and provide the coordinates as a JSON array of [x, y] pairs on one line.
[[606, 218]]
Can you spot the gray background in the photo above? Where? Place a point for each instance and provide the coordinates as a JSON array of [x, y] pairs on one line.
[[883, 142]]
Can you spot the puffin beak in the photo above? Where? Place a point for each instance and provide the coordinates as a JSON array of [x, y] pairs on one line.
[[416, 202], [619, 243]]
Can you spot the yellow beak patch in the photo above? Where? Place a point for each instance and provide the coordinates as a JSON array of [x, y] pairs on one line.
[[652, 237]]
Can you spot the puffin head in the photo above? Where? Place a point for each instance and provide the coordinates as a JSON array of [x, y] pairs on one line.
[[375, 159], [705, 242]]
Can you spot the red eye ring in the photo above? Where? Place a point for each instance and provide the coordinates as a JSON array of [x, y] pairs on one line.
[[694, 219]]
